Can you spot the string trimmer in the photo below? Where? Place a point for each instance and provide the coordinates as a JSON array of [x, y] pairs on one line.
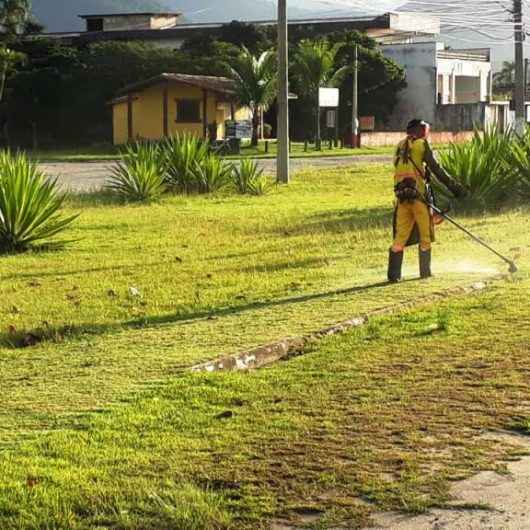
[[513, 267]]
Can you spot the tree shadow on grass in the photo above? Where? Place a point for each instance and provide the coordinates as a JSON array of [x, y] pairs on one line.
[[342, 221], [77, 272], [24, 338]]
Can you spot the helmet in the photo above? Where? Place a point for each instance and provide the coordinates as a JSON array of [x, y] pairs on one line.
[[418, 128]]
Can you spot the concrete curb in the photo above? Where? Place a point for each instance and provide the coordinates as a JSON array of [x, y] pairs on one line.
[[292, 347]]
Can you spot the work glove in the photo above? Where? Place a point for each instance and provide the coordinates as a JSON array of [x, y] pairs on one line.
[[459, 191]]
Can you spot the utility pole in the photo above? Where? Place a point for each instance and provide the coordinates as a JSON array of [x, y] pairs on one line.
[[520, 85], [282, 162], [355, 99], [526, 61]]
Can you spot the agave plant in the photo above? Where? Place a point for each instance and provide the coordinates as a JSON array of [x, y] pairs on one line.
[[212, 174], [140, 174], [29, 204], [249, 179], [482, 166], [183, 153], [519, 163]]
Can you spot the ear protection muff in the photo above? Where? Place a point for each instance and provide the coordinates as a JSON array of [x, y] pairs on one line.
[[418, 128]]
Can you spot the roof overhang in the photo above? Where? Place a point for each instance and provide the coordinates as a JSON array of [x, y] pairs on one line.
[[146, 14], [221, 85]]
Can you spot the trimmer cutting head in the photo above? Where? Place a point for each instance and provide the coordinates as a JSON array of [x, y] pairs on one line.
[[513, 268]]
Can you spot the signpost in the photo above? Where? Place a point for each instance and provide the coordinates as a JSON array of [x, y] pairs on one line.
[[329, 98]]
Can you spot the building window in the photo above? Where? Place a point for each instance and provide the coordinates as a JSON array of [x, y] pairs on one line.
[[94, 24], [188, 111]]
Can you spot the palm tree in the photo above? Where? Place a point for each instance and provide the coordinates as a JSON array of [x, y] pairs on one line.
[[314, 67], [256, 81], [13, 16], [8, 59]]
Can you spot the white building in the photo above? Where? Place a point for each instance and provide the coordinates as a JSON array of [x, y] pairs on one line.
[[451, 89], [170, 30]]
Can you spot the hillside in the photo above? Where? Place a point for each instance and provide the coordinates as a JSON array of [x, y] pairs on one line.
[[62, 15]]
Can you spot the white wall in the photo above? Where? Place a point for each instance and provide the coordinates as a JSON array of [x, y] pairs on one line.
[[460, 73], [418, 100]]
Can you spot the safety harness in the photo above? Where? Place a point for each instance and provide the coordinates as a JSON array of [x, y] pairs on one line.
[[407, 189]]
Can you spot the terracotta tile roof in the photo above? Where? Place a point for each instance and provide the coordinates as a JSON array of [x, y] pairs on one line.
[[222, 85]]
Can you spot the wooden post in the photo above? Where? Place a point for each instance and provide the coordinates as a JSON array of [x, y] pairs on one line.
[[130, 131], [165, 109], [205, 113]]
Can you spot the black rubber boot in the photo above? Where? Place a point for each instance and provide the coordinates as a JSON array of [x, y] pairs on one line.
[[395, 262], [425, 264]]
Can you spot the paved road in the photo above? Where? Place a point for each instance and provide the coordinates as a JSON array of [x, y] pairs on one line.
[[92, 175]]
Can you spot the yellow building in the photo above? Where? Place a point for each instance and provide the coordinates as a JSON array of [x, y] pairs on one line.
[[175, 103]]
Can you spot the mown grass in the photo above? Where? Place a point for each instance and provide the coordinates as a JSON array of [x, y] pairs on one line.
[[144, 292], [384, 417]]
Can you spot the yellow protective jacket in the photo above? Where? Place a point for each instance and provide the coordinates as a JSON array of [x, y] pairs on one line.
[[414, 158]]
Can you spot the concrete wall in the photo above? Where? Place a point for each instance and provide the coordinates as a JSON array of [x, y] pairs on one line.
[[463, 81], [126, 23], [384, 139], [432, 79], [467, 89], [162, 22], [460, 117], [120, 124], [138, 22], [418, 100]]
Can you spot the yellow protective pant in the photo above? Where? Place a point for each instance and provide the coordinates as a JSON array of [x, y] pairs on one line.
[[409, 214]]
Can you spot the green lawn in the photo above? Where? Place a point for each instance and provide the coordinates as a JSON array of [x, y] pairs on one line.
[[144, 292], [109, 152]]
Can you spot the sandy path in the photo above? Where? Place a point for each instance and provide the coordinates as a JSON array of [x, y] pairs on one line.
[[86, 176]]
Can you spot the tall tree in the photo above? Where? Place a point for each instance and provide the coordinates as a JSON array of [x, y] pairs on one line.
[[8, 60], [380, 78], [256, 81], [504, 80], [14, 14], [241, 34], [314, 68]]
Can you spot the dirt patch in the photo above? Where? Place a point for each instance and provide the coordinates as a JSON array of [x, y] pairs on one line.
[[487, 501]]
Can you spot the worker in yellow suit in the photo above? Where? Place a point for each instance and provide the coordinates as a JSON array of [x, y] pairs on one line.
[[414, 221]]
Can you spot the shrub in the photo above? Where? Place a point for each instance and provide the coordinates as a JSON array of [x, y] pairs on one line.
[[139, 176], [212, 174], [482, 166], [183, 153], [29, 204], [249, 180]]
